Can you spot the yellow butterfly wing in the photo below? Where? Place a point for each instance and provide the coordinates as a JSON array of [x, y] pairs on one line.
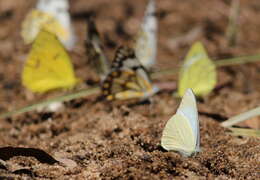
[[198, 72], [48, 65], [37, 20]]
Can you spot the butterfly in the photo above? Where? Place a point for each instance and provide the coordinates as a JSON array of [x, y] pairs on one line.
[[198, 72], [127, 78], [52, 16], [181, 132], [94, 50], [48, 66], [146, 41]]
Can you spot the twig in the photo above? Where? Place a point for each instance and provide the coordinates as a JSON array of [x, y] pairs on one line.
[[232, 28], [237, 60], [68, 97], [245, 132], [219, 63], [188, 37], [241, 117]]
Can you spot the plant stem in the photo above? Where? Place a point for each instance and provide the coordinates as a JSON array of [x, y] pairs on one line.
[[95, 90], [68, 97], [219, 63], [245, 132], [241, 117], [237, 60], [232, 29]]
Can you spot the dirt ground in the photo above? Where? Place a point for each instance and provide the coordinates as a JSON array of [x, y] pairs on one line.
[[121, 140]]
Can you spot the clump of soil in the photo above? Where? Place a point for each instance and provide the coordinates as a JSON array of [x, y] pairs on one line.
[[121, 140]]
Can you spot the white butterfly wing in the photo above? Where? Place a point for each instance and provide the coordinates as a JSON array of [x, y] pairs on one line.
[[60, 10], [51, 6], [146, 43], [188, 108]]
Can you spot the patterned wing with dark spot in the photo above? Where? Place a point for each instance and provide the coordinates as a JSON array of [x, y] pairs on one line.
[[127, 78]]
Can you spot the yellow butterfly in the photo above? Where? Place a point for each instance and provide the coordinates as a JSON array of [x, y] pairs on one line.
[[94, 50], [37, 20], [48, 65], [182, 133], [127, 78], [198, 72]]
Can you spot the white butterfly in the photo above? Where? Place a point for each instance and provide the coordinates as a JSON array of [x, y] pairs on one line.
[[146, 42], [53, 16], [60, 10], [181, 132]]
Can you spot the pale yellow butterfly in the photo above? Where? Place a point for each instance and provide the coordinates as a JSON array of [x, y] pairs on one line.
[[198, 72], [181, 132]]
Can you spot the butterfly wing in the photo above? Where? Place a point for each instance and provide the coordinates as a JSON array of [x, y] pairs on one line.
[[188, 109], [146, 42], [37, 20], [181, 132], [198, 72], [94, 50], [48, 65], [60, 10], [178, 135], [127, 79], [52, 16]]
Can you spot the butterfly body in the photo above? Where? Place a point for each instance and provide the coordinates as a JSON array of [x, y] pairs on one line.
[[181, 132], [127, 78], [48, 65]]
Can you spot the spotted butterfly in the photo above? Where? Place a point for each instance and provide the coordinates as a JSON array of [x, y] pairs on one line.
[[127, 78]]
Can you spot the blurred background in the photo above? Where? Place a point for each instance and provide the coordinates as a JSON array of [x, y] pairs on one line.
[[180, 24]]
